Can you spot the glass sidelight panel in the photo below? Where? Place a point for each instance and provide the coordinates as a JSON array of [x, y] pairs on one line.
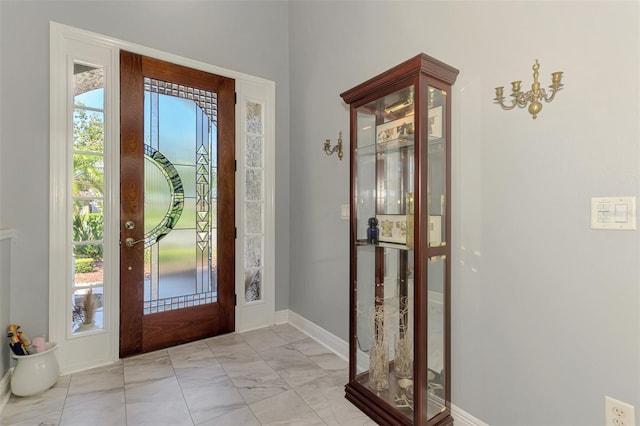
[[88, 198], [254, 202], [87, 295], [180, 196]]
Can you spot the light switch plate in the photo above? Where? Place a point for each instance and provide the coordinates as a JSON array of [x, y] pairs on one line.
[[344, 212], [617, 213]]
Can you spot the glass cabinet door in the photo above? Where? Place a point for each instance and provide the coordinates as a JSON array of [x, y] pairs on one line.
[[385, 292], [436, 265], [385, 165], [436, 336], [436, 166]]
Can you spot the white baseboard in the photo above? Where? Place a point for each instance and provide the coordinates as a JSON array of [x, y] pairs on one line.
[[462, 418], [5, 389], [329, 340], [280, 317], [341, 349]]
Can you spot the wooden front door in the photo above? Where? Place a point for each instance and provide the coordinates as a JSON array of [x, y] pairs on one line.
[[177, 195]]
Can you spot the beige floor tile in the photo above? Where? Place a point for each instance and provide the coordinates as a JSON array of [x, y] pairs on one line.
[[209, 393], [295, 368], [273, 376], [243, 416], [107, 410], [263, 339], [286, 408], [47, 404]]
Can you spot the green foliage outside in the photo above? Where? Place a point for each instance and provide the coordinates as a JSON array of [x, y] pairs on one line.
[[88, 182], [88, 160], [88, 131], [88, 227], [84, 265]]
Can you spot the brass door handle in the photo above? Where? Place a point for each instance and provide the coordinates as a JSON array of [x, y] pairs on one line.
[[130, 242]]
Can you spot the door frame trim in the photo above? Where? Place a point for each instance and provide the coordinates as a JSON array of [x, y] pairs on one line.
[[59, 244]]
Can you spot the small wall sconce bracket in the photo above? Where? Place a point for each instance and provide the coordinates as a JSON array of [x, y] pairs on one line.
[[337, 148]]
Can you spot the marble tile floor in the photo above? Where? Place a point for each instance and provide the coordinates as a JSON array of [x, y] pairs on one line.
[[272, 376]]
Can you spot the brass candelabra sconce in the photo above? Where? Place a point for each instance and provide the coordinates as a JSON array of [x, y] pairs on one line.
[[337, 148], [533, 96]]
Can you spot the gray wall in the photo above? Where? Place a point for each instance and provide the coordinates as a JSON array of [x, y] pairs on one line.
[[249, 37], [546, 317]]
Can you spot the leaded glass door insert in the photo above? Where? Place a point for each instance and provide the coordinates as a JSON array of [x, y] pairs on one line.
[[180, 196]]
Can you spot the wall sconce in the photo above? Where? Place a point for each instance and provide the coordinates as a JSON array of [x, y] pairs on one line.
[[535, 95], [337, 148]]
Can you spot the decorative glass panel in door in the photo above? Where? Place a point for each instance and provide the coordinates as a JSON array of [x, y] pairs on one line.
[[180, 196]]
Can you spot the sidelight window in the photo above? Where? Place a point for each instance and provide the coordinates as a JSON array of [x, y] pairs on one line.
[[87, 198]]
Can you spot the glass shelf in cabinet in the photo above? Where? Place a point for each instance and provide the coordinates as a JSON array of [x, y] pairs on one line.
[[385, 147], [364, 243]]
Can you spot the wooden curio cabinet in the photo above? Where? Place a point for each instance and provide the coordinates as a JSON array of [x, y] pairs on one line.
[[399, 343]]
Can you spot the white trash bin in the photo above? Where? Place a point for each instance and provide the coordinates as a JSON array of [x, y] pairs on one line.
[[35, 373]]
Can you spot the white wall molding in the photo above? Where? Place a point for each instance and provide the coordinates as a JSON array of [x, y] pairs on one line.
[[341, 349], [325, 338]]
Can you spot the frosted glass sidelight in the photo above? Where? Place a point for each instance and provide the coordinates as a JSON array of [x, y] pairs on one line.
[[254, 200], [254, 118], [254, 185], [254, 151], [253, 252], [253, 285], [254, 217]]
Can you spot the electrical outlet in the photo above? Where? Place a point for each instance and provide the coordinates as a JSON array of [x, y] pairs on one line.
[[618, 413]]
